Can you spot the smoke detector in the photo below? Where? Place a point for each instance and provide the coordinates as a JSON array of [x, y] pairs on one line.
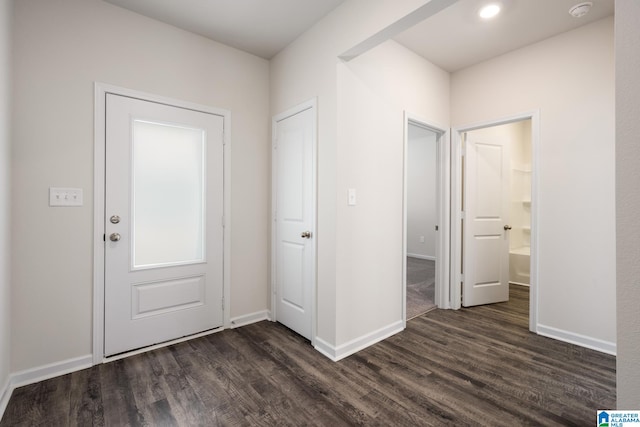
[[580, 9]]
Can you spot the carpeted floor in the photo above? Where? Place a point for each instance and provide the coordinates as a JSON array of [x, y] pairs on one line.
[[421, 274]]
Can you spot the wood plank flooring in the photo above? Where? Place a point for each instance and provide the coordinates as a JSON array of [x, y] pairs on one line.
[[477, 366]]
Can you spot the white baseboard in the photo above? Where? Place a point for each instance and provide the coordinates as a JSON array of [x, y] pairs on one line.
[[429, 257], [325, 348], [355, 345], [248, 319], [41, 373], [51, 370], [577, 339], [519, 284], [5, 395]]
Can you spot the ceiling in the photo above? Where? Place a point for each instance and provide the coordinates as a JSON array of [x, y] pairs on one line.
[[452, 39], [260, 27], [457, 38]]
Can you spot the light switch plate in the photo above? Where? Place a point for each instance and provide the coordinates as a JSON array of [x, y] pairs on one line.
[[65, 196]]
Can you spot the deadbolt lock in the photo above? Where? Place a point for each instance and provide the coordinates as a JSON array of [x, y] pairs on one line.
[[114, 219]]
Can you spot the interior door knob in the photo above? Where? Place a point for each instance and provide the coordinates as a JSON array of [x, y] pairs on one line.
[[114, 237], [507, 227], [306, 235]]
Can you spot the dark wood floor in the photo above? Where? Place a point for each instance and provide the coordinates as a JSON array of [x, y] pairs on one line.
[[476, 366]]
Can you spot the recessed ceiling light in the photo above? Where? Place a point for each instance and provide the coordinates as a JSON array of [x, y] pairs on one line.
[[489, 11], [580, 9]]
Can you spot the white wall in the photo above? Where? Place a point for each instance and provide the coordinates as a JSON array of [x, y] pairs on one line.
[[374, 90], [309, 68], [304, 70], [5, 190], [421, 192], [628, 201], [61, 48], [570, 79]]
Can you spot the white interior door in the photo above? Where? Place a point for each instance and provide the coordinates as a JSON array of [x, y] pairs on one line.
[[163, 223], [486, 225], [294, 188]]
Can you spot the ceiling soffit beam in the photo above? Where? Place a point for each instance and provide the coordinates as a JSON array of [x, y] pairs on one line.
[[420, 14]]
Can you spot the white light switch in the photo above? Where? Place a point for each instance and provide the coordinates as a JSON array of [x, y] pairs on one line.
[[65, 196], [351, 197]]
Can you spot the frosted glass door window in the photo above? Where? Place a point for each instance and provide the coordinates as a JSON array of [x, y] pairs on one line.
[[168, 195]]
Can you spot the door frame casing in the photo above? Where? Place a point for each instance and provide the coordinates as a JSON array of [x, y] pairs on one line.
[[311, 104], [457, 215], [443, 196], [99, 178]]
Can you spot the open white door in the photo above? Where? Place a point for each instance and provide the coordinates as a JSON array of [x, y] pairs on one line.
[[163, 223], [294, 205], [486, 213]]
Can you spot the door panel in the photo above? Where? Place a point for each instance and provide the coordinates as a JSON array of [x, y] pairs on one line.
[[163, 222], [486, 243], [149, 299], [293, 275], [294, 253]]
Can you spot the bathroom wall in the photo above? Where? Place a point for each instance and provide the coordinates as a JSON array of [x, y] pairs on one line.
[[520, 208], [421, 193], [520, 212]]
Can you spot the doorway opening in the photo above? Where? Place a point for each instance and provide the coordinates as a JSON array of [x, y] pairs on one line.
[[494, 226], [421, 220], [426, 218]]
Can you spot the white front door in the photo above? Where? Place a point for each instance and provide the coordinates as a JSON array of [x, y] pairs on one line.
[[486, 206], [163, 223], [294, 197]]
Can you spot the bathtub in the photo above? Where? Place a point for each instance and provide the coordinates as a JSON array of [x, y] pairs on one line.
[[519, 265]]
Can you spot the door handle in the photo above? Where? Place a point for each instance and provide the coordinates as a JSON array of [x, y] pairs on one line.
[[507, 227], [306, 235], [114, 237]]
